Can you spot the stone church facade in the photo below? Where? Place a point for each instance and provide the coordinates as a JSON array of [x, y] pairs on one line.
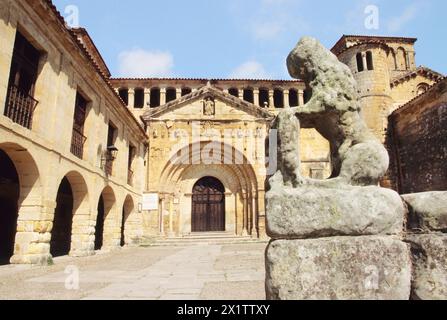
[[91, 162]]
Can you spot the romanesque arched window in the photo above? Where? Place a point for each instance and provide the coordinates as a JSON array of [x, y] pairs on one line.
[[171, 94], [360, 66], [186, 91], [139, 98], [248, 95], [392, 59], [402, 62], [155, 97], [278, 97], [263, 98], [293, 98], [422, 88], [234, 92], [124, 95]]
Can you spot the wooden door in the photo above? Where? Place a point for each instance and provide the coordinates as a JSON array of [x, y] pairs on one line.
[[208, 206]]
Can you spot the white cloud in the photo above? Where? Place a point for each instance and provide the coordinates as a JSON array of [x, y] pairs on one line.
[[250, 70], [397, 23], [141, 63]]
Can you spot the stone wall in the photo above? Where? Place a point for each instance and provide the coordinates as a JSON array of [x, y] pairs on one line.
[[427, 228], [42, 154], [417, 139]]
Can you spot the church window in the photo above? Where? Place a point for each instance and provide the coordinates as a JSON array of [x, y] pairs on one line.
[[155, 97], [360, 66], [278, 97], [248, 95], [171, 95], [139, 98]]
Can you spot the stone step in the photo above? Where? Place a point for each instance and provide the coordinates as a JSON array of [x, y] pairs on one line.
[[208, 238]]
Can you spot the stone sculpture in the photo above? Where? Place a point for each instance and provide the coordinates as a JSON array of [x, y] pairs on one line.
[[339, 238], [358, 157]]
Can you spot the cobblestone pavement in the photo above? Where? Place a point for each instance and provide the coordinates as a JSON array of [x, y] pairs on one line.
[[208, 272]]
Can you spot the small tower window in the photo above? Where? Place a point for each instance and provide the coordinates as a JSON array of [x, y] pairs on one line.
[[124, 95], [234, 92], [249, 95], [171, 95], [139, 98], [293, 98], [264, 98], [155, 97], [369, 60], [360, 66]]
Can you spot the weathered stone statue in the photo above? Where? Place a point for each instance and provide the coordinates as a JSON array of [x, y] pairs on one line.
[[338, 238], [358, 157]]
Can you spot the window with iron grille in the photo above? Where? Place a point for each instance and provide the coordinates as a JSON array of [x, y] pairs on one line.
[[20, 102], [78, 139]]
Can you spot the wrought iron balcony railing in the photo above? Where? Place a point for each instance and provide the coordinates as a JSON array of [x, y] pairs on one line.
[[20, 107], [77, 143]]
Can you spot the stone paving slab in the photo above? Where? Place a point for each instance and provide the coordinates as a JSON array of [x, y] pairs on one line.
[[170, 273]]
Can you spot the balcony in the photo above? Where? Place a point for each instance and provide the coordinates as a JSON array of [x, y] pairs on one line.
[[20, 107], [77, 143]]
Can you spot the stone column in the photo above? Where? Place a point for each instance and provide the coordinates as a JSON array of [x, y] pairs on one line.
[[254, 227], [131, 98], [256, 96], [162, 223], [147, 97], [162, 96], [301, 97], [83, 235], [178, 93], [286, 99], [241, 94], [245, 215], [32, 241], [271, 99], [365, 62], [171, 219]]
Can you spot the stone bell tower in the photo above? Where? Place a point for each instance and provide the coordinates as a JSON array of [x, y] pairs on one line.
[[369, 64]]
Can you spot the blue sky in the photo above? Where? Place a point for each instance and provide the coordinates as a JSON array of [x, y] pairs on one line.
[[244, 38]]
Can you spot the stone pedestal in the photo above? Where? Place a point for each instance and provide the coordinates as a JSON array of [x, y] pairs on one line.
[[336, 244], [427, 236], [339, 268]]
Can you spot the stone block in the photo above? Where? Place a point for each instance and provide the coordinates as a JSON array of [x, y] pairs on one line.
[[339, 268], [428, 211], [350, 211], [429, 253]]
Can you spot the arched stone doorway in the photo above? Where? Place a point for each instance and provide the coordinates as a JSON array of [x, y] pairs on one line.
[[99, 228], [234, 171], [29, 204], [63, 221], [208, 205], [106, 220], [9, 198]]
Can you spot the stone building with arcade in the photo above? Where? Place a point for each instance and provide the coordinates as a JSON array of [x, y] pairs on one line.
[[90, 162]]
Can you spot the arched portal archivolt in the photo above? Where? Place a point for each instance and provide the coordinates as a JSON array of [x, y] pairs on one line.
[[241, 189]]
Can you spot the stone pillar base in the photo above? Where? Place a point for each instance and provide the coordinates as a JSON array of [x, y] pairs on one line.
[[33, 259], [339, 268]]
